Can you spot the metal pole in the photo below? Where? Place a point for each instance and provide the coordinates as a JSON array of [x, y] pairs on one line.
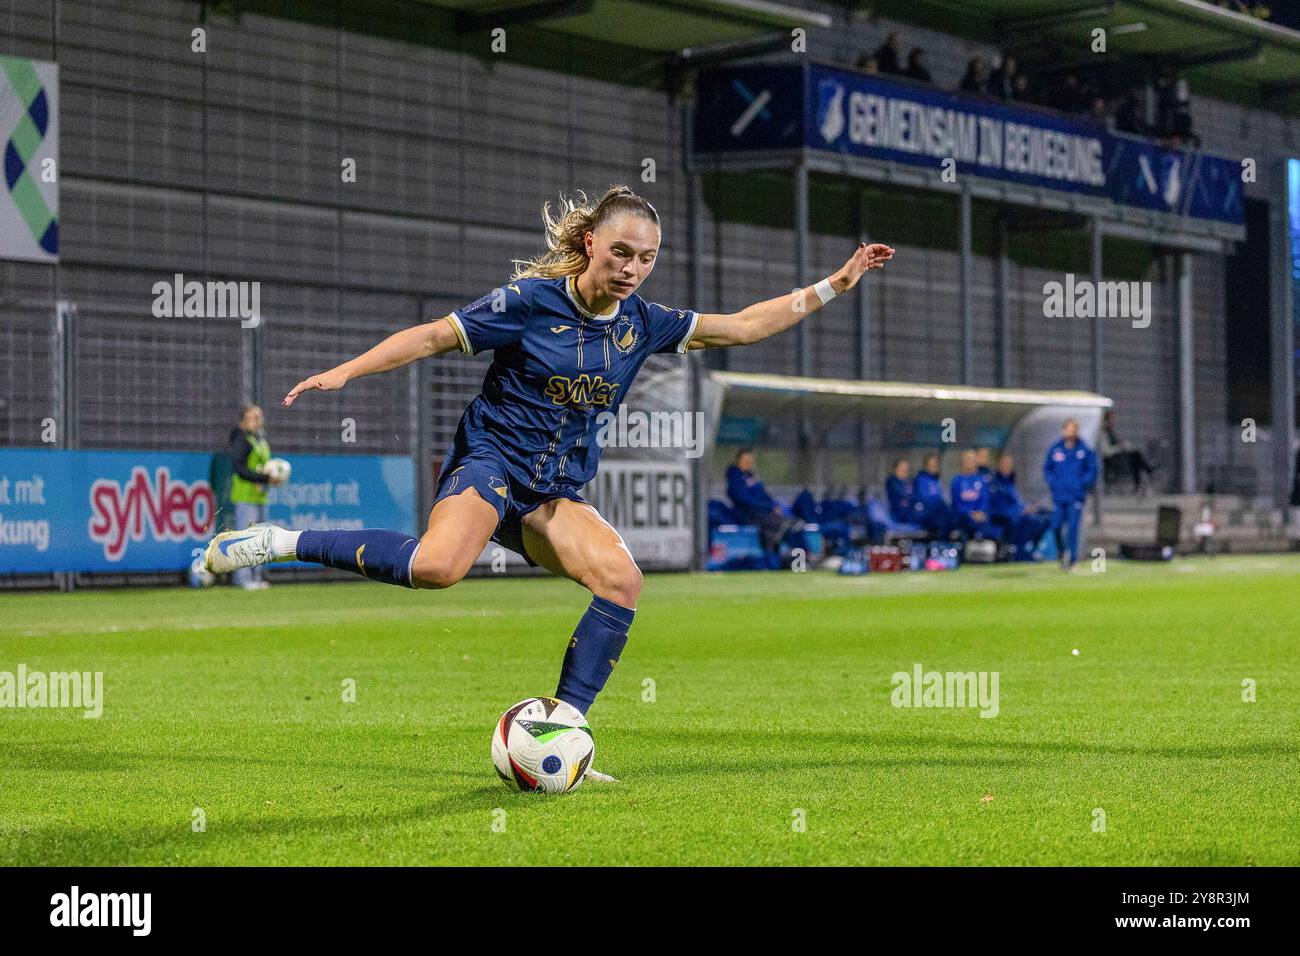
[[802, 256], [1186, 378], [694, 360], [1283, 339], [1004, 302], [1098, 344], [803, 340], [967, 303], [259, 346], [64, 371], [863, 365], [419, 424]]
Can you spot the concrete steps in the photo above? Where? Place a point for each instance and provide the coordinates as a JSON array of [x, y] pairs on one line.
[[1242, 524]]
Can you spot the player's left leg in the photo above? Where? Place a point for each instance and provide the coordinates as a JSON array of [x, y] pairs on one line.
[[571, 539], [1075, 520]]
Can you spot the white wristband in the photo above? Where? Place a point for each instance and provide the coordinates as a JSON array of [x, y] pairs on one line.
[[824, 291]]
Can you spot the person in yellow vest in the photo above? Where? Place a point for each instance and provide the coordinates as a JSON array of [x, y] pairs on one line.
[[249, 453]]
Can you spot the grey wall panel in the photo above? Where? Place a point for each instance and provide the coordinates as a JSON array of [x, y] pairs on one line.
[[103, 222], [254, 239], [132, 135], [142, 46]]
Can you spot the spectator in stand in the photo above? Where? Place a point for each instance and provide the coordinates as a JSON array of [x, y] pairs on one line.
[[982, 455], [1131, 117], [932, 512], [889, 55], [1070, 97], [754, 504], [1070, 470], [976, 76], [1098, 112], [869, 64], [1001, 82], [1021, 91], [916, 69], [1119, 457], [1020, 529], [970, 500], [1174, 110]]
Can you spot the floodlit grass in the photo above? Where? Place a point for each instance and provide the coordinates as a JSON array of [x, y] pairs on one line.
[[771, 706]]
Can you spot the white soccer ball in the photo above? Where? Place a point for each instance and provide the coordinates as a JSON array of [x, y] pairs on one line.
[[278, 469], [200, 576], [542, 744]]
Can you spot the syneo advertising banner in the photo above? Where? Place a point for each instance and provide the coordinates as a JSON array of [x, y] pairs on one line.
[[151, 511]]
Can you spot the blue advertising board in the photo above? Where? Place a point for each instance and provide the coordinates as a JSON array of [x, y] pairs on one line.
[[812, 106], [148, 511]]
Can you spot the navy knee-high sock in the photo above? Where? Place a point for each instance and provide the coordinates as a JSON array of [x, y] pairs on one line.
[[371, 552], [593, 651]]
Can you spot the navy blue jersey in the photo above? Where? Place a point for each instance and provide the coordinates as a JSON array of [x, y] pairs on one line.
[[903, 505], [970, 493], [928, 487], [555, 368]]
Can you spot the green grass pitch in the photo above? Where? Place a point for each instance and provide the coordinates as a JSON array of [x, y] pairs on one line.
[[771, 738]]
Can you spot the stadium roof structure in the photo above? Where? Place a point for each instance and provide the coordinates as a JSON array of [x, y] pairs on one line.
[[660, 26], [1225, 54], [828, 398], [625, 41]]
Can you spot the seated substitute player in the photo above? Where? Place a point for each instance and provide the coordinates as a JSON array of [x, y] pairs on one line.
[[901, 490], [568, 335], [754, 505], [1020, 528], [932, 512], [1070, 470], [970, 500]]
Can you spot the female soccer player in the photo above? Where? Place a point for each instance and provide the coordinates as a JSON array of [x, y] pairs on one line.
[[568, 335]]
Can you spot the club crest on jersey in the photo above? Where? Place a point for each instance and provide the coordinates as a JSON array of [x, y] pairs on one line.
[[581, 392], [625, 337]]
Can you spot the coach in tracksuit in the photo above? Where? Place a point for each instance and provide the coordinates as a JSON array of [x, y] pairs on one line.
[[1070, 471]]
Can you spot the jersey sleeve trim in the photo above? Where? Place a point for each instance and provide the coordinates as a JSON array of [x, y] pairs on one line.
[[690, 333], [459, 329]]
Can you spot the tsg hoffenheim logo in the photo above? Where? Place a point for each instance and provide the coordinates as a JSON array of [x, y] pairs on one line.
[[830, 110]]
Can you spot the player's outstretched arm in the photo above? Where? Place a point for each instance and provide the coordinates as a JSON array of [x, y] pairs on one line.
[[400, 348], [765, 319]]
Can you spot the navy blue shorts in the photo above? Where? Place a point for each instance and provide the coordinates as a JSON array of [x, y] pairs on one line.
[[503, 484]]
